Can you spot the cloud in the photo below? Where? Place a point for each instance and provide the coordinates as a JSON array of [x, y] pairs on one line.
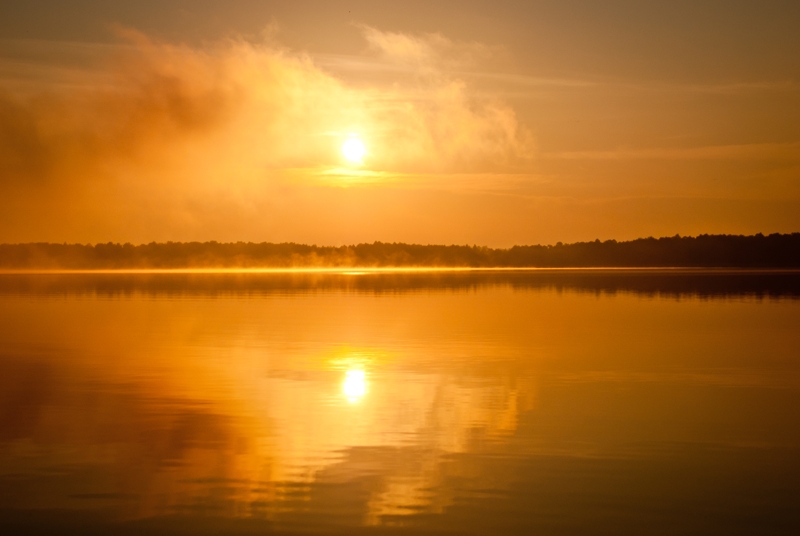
[[175, 128], [427, 53], [751, 151]]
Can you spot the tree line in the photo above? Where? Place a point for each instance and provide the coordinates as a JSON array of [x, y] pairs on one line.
[[755, 251]]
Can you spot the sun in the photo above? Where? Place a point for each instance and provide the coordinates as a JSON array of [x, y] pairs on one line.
[[354, 150]]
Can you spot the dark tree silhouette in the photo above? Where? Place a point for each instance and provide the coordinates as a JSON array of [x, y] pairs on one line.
[[724, 251]]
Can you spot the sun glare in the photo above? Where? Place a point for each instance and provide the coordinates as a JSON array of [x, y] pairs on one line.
[[354, 150], [354, 386]]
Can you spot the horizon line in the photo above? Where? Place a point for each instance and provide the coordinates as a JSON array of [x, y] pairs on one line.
[[367, 270]]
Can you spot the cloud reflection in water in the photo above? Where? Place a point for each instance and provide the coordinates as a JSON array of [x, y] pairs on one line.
[[338, 408]]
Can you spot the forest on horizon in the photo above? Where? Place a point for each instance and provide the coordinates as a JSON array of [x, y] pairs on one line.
[[755, 251]]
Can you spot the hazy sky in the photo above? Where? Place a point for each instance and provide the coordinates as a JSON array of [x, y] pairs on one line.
[[494, 122]]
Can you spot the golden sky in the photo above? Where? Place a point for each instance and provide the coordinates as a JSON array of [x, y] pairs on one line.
[[494, 123]]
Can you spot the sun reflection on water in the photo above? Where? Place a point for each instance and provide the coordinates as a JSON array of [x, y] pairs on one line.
[[354, 385], [430, 404]]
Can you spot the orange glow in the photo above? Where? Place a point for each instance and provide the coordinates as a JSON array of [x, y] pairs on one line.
[[444, 132]]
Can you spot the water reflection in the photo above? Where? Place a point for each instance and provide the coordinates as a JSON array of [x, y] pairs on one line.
[[354, 385], [493, 408], [712, 283]]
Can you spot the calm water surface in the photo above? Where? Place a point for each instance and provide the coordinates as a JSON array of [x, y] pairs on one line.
[[494, 403]]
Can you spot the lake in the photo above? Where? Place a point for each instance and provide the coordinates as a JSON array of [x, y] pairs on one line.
[[495, 402]]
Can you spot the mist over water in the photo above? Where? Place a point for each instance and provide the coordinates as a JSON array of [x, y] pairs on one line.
[[555, 402]]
